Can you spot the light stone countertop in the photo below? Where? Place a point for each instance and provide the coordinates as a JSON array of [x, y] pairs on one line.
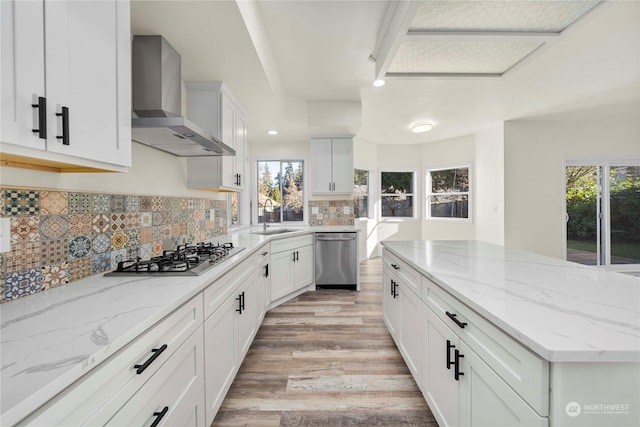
[[562, 311], [51, 339]]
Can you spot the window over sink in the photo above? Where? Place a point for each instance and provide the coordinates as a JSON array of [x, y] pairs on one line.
[[281, 191]]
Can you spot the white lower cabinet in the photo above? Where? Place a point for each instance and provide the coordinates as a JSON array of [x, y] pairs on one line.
[[263, 282], [246, 316], [410, 331], [292, 265], [389, 303]]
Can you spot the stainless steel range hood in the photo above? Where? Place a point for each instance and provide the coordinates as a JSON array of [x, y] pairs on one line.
[[157, 101]]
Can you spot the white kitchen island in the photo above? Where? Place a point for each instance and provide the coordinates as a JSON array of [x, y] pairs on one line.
[[496, 336]]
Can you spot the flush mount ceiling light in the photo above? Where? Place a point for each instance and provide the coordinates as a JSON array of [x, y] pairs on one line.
[[273, 132], [378, 82], [421, 127]]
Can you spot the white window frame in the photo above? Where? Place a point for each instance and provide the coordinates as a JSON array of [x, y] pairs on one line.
[[428, 193], [370, 179], [415, 195], [305, 192]]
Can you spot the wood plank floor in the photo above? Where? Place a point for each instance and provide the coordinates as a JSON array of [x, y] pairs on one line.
[[326, 359]]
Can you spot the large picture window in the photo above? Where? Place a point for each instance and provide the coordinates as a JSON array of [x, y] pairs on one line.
[[397, 194], [448, 193], [280, 191]]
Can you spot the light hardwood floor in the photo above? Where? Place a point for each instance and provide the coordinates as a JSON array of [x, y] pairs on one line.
[[326, 359]]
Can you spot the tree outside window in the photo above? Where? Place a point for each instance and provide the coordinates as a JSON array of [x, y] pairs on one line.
[[448, 193], [361, 193], [396, 194]]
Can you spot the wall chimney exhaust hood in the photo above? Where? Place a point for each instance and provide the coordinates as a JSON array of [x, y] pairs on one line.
[[157, 103]]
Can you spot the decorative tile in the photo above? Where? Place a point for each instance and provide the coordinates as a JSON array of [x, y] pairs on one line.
[[185, 215], [197, 215], [118, 221], [132, 203], [184, 204], [156, 204], [54, 203], [133, 252], [55, 275], [118, 256], [54, 251], [167, 217], [117, 203], [100, 203], [101, 263], [100, 223], [166, 203], [190, 204], [22, 256], [168, 243], [80, 268], [22, 283], [175, 215], [166, 231], [146, 219], [79, 247], [133, 220], [118, 240], [19, 203], [101, 243], [146, 203], [145, 251], [157, 248], [146, 235], [157, 218], [80, 225], [183, 228], [2, 214], [157, 233], [79, 203], [133, 237], [54, 227], [175, 230], [25, 229]]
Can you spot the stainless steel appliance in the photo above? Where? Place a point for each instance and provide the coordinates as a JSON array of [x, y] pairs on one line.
[[185, 260], [337, 260]]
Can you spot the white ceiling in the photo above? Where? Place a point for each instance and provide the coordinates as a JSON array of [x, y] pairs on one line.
[[302, 67]]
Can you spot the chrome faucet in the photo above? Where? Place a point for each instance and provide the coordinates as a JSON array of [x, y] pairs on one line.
[[264, 212]]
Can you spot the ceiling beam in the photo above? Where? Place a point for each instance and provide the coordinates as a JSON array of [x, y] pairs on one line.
[[467, 36]]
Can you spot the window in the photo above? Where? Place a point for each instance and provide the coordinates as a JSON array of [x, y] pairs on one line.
[[396, 194], [361, 193], [233, 200], [280, 191], [602, 201], [448, 193]]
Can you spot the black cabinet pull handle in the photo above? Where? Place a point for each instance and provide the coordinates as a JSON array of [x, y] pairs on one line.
[[264, 253], [391, 287], [240, 300], [394, 286], [42, 117], [239, 180], [456, 366], [297, 256], [452, 316], [449, 347], [159, 416], [266, 270], [156, 352], [395, 266], [65, 125], [294, 256]]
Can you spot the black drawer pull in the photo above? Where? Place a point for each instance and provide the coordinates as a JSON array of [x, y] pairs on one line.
[[395, 266], [265, 253], [65, 125], [456, 366], [156, 352], [449, 347], [42, 117], [159, 416], [453, 317], [240, 300], [266, 270]]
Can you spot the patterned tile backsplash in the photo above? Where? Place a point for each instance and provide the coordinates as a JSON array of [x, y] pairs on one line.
[[331, 212], [58, 237]]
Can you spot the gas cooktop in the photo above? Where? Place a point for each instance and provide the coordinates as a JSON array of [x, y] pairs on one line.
[[185, 260]]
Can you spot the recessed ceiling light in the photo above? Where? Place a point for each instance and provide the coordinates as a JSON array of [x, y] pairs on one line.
[[273, 132], [378, 83], [421, 127]]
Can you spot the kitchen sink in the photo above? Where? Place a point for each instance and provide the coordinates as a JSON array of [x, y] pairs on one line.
[[273, 231]]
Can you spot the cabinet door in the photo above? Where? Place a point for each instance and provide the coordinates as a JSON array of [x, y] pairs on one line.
[[303, 267], [342, 165], [410, 330], [321, 178], [389, 303], [241, 141], [263, 287], [441, 390], [174, 393], [486, 400], [281, 274], [22, 71], [87, 60], [220, 356], [228, 136], [246, 316]]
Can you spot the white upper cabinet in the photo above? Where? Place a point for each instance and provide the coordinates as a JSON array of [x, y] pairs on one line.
[[331, 165], [81, 53], [212, 106]]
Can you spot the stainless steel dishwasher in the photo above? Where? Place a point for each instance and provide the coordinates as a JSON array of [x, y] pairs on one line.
[[337, 260]]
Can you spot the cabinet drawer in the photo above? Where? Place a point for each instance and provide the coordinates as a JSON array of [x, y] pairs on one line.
[[261, 255], [407, 274], [221, 288], [525, 372], [100, 393], [291, 243]]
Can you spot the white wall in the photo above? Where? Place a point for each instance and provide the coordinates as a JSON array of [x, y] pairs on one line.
[[153, 172], [488, 197], [365, 156], [448, 152], [533, 157]]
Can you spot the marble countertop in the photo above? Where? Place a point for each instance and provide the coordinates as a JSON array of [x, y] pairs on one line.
[[562, 311], [50, 339]]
